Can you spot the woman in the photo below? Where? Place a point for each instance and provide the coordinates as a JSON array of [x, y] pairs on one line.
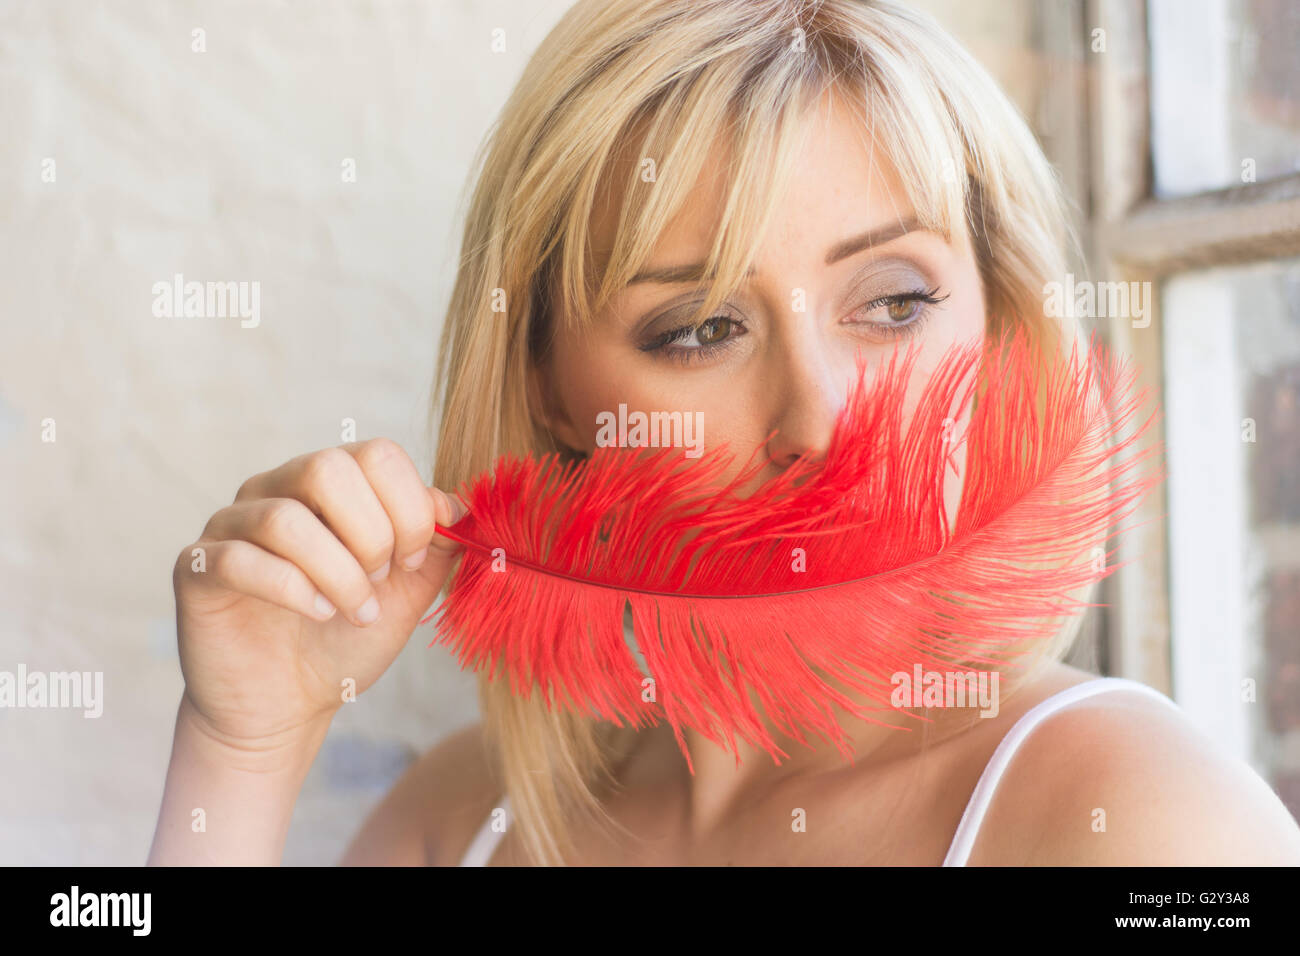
[[668, 180]]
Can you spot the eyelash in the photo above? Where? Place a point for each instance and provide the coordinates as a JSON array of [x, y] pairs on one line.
[[895, 330]]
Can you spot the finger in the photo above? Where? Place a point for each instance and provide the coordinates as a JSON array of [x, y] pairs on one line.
[[288, 528], [402, 494], [245, 568], [331, 484], [449, 510]]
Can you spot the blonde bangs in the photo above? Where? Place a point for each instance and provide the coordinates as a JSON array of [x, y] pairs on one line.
[[759, 132]]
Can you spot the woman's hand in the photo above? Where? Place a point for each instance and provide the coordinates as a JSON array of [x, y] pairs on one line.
[[306, 588]]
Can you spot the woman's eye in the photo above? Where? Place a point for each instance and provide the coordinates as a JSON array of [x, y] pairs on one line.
[[899, 314], [714, 330], [892, 315], [713, 333], [903, 311]]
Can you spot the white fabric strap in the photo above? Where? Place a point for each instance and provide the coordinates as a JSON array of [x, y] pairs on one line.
[[968, 829], [485, 841]]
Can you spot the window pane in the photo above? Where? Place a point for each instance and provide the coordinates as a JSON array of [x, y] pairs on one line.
[[1225, 92], [1232, 405]]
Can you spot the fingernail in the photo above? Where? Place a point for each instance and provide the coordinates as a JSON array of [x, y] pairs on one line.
[[368, 613], [454, 507], [413, 561], [323, 607], [381, 573]]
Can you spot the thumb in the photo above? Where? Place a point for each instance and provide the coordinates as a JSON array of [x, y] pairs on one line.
[[448, 509], [429, 577]]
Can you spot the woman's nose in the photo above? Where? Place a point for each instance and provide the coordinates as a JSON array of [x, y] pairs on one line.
[[807, 395]]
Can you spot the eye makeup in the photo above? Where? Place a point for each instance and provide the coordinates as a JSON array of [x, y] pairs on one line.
[[894, 300]]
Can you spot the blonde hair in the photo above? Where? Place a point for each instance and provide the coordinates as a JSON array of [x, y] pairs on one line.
[[664, 80]]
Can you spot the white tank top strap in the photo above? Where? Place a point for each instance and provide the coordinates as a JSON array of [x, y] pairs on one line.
[[486, 840], [964, 839]]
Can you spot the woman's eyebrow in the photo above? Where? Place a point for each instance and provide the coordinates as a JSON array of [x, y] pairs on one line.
[[694, 272]]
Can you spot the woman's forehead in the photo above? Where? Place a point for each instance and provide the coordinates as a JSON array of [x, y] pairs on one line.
[[843, 184], [752, 196]]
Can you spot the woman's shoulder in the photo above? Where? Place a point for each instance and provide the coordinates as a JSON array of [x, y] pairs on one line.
[[464, 789], [1122, 778], [431, 814]]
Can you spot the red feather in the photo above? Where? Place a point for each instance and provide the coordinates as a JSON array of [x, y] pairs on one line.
[[720, 609]]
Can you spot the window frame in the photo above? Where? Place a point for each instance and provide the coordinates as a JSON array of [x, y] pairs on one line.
[[1094, 121]]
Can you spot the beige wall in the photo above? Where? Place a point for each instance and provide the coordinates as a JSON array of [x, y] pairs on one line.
[[225, 165]]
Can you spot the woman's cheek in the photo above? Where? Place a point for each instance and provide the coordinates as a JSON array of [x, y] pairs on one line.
[[955, 473]]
